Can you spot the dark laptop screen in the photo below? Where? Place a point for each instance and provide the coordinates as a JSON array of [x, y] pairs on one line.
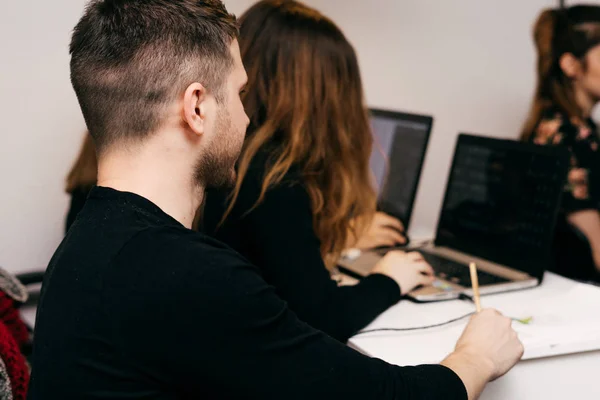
[[502, 200], [397, 159]]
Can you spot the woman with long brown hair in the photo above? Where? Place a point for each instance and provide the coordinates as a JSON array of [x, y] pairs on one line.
[[81, 178], [568, 88], [304, 189]]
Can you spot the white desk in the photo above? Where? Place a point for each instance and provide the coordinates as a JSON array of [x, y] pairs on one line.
[[568, 376]]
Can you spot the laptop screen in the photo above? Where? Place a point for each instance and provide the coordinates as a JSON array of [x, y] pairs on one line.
[[502, 200], [400, 143]]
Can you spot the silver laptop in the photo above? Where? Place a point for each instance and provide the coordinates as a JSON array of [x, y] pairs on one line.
[[499, 211], [397, 159]]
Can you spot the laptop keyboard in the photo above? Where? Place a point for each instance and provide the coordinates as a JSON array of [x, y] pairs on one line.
[[458, 273]]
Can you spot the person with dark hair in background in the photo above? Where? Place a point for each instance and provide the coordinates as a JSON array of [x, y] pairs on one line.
[[135, 304], [81, 179], [568, 88], [305, 190]]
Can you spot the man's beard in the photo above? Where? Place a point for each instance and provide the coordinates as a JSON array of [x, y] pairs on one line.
[[216, 167]]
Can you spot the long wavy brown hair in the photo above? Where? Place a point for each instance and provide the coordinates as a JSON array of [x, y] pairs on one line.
[[84, 172], [305, 101], [556, 32]]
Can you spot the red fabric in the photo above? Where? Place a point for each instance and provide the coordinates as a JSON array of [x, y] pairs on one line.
[[15, 363], [13, 336], [10, 316]]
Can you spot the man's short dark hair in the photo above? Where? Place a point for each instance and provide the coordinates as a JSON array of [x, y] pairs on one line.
[[131, 58]]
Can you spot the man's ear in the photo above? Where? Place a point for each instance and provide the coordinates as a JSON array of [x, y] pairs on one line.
[[570, 65], [195, 108]]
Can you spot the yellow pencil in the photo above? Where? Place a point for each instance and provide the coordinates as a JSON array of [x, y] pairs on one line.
[[475, 285]]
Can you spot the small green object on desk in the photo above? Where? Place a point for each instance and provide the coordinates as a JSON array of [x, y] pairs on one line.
[[524, 321]]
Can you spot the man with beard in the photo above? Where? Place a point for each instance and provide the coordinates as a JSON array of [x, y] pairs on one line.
[[136, 305]]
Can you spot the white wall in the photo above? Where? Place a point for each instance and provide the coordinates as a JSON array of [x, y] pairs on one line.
[[467, 62], [41, 128]]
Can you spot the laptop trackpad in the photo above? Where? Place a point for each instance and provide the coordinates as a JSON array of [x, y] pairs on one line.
[[438, 286], [363, 264]]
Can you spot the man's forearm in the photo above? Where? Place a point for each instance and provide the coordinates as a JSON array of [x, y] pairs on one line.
[[472, 370]]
